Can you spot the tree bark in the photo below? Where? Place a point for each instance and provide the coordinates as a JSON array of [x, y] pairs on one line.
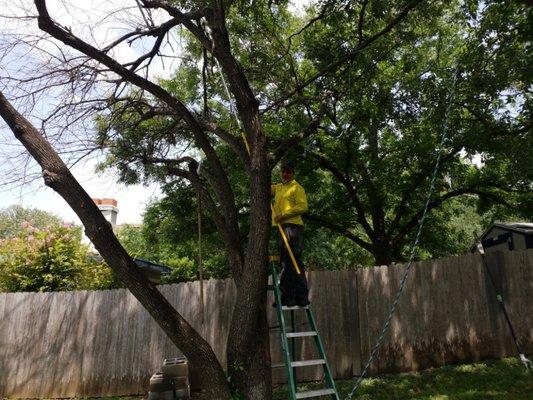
[[248, 347], [57, 176], [382, 252]]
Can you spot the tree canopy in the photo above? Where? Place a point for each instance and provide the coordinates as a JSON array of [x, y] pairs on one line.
[[381, 114]]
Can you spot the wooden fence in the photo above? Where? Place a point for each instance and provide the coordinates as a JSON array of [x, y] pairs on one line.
[[104, 343]]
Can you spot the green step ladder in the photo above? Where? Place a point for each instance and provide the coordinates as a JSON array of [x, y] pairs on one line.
[[290, 365]]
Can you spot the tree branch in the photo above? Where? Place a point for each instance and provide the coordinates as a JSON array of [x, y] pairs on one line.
[[289, 143], [223, 187], [57, 176], [352, 193], [233, 141], [339, 229], [407, 194], [348, 57], [227, 231], [415, 219]]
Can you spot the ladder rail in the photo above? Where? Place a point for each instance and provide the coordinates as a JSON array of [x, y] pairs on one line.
[[318, 341], [290, 365], [283, 334]]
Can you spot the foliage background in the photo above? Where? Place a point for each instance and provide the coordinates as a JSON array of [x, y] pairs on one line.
[[47, 257]]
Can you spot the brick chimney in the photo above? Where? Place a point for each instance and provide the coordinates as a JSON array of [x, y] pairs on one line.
[[109, 209]]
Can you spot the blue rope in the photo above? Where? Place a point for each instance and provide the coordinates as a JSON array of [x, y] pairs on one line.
[[392, 310]]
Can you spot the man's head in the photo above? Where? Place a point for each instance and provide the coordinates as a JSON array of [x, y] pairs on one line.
[[287, 171]]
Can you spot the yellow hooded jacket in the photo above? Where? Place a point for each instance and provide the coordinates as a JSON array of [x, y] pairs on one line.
[[290, 202]]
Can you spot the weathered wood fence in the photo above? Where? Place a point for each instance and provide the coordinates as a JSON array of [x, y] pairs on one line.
[[104, 343]]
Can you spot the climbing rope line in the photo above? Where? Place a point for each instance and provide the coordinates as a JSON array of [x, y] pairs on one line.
[[232, 109], [392, 310]]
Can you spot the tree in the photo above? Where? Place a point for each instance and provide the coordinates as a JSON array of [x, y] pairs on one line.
[[39, 252], [227, 34], [13, 219], [379, 149], [171, 226]]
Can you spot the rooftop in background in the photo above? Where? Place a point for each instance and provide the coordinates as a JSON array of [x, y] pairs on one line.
[[152, 270], [526, 227], [504, 236]]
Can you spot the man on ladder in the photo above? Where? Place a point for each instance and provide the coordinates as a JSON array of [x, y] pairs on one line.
[[290, 202]]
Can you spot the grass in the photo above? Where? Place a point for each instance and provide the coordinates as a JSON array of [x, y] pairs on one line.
[[505, 379]]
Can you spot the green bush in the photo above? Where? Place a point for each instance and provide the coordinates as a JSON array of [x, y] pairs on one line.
[[50, 259]]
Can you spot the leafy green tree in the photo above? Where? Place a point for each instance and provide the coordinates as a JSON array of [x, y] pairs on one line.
[[379, 147], [161, 239], [132, 238], [349, 75]]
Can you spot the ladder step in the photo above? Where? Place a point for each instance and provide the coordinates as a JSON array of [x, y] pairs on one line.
[[285, 308], [280, 365], [306, 363], [314, 393], [301, 334]]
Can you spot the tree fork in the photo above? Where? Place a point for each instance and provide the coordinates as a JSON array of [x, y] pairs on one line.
[[57, 176]]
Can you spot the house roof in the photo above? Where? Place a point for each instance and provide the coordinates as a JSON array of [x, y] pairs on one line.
[[520, 227], [524, 228], [152, 266]]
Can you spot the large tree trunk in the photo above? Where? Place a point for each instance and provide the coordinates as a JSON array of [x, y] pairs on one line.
[[57, 176], [382, 252], [248, 347]]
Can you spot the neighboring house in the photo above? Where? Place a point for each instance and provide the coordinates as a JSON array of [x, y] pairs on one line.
[[153, 271], [502, 236]]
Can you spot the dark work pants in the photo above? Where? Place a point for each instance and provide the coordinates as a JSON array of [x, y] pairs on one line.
[[293, 285]]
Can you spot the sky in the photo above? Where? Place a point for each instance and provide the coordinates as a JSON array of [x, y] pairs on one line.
[[27, 190], [132, 199]]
